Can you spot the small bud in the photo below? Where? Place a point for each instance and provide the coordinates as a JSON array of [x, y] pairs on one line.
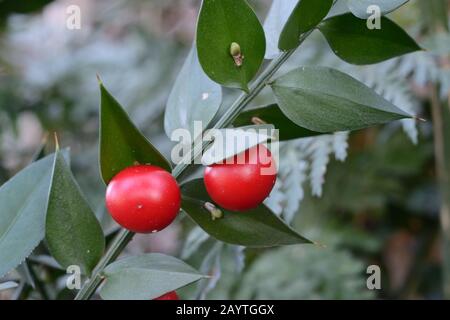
[[258, 121], [216, 213], [235, 51]]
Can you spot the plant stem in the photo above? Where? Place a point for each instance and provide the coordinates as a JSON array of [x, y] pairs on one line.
[[119, 243], [125, 236]]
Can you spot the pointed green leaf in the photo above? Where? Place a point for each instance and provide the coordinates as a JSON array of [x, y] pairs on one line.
[[194, 97], [121, 143], [272, 114], [360, 7], [259, 227], [327, 100], [306, 15], [73, 234], [23, 203], [355, 43], [146, 277], [222, 22]]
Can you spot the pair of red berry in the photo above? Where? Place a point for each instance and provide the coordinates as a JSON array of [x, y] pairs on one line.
[[146, 198]]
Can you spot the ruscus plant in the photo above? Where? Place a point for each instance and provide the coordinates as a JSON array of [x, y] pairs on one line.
[[43, 204]]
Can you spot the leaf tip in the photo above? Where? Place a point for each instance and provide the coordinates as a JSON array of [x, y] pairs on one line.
[[419, 119], [99, 80], [320, 245]]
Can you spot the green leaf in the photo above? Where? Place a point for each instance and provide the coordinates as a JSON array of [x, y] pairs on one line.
[[360, 7], [354, 42], [326, 100], [259, 227], [121, 143], [146, 277], [23, 203], [73, 233], [232, 141], [272, 114], [194, 97], [222, 22], [306, 15]]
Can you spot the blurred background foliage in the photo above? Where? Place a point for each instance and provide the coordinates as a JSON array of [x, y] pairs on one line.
[[379, 204]]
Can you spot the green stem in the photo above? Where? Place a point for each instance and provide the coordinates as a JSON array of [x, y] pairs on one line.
[[124, 236], [118, 244]]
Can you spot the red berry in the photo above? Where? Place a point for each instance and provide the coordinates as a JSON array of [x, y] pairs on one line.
[[143, 198], [172, 295], [243, 183]]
